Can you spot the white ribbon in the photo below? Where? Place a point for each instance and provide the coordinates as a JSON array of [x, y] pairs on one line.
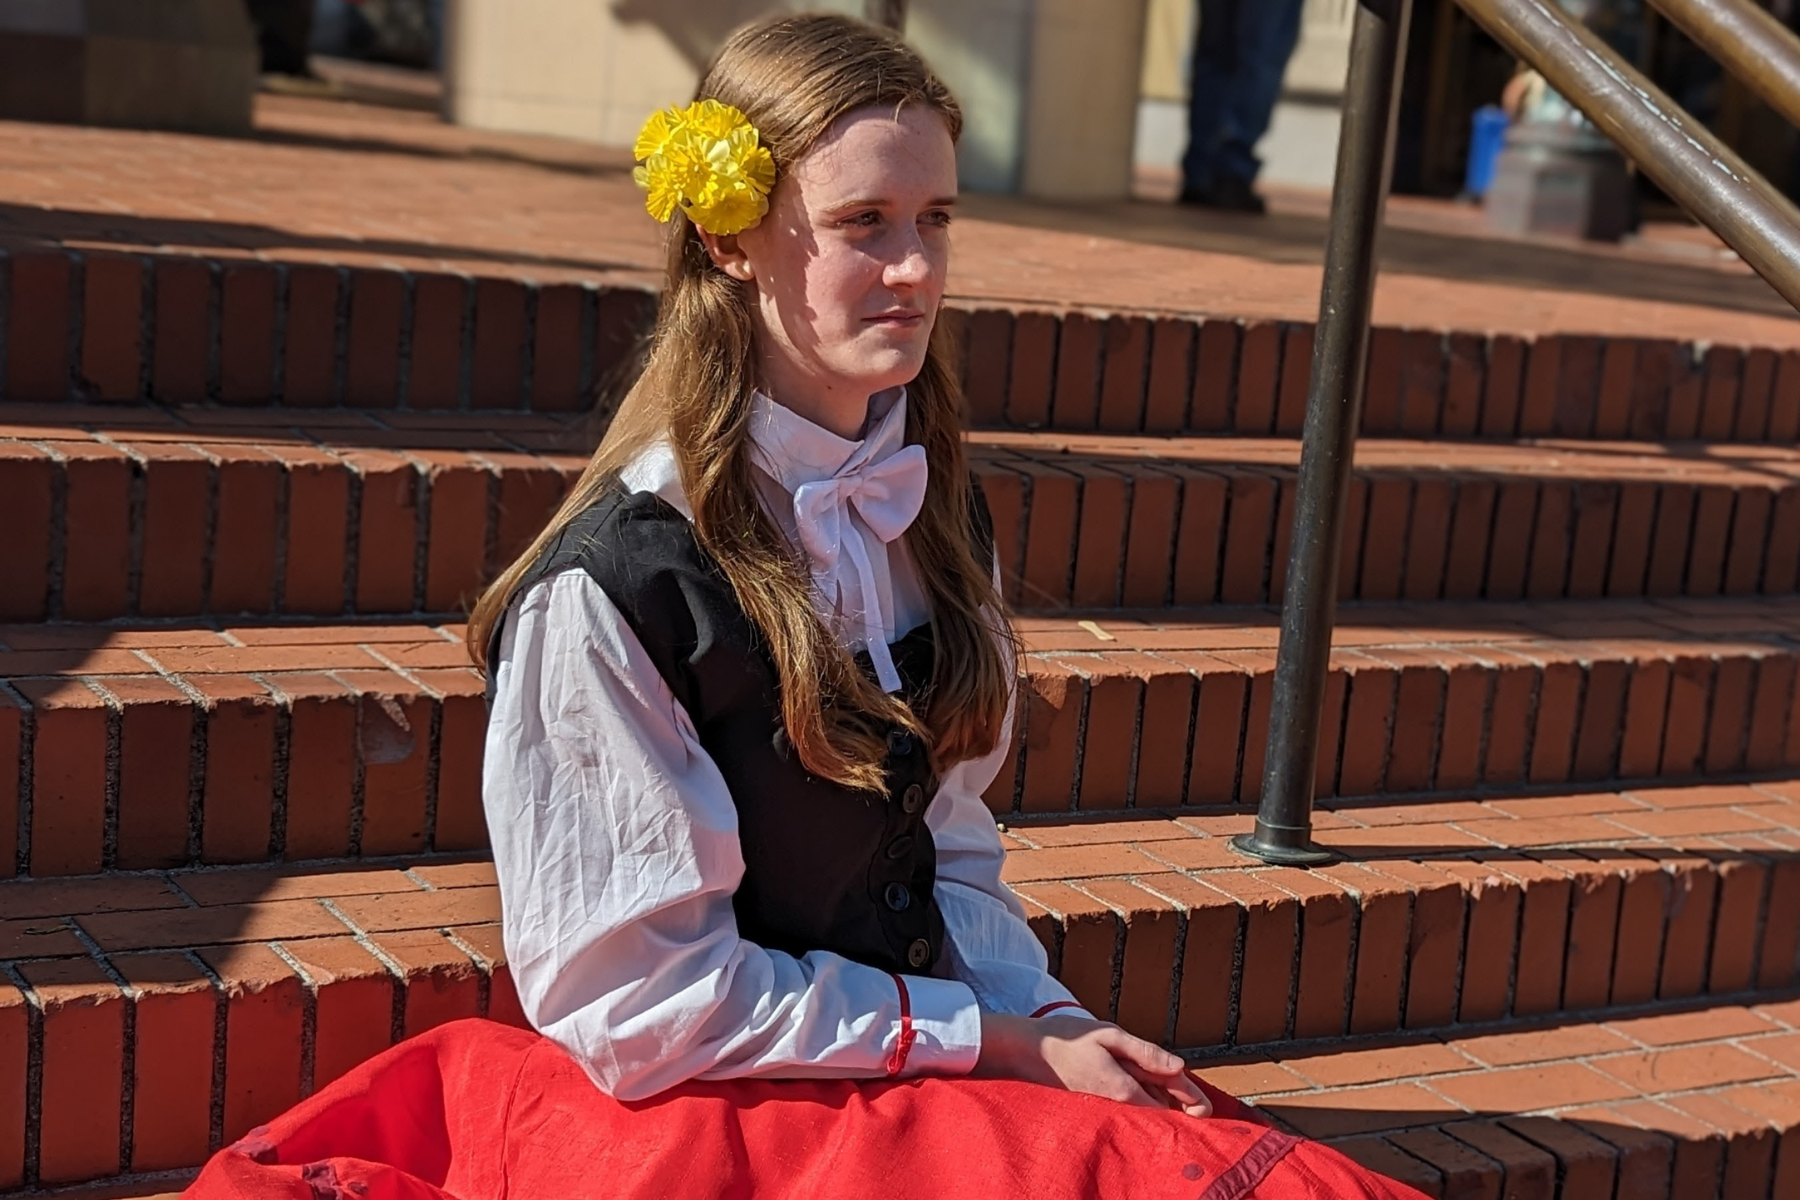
[[887, 495]]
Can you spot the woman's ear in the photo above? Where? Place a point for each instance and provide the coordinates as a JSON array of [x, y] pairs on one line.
[[727, 255]]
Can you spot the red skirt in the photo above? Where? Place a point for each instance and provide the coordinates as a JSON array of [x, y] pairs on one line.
[[481, 1111]]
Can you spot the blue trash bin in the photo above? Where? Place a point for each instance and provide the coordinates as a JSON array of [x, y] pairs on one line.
[[1485, 141]]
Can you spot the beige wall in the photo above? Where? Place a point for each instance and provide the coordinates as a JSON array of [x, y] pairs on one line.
[[588, 69], [1322, 59], [1049, 87], [1168, 39]]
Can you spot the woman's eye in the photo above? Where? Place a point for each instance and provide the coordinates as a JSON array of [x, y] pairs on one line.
[[938, 218], [865, 219]]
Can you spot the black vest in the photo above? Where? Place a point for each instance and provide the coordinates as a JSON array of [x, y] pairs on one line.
[[825, 867]]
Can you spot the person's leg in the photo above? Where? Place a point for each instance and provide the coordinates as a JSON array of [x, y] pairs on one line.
[[284, 29], [1267, 31], [1210, 81]]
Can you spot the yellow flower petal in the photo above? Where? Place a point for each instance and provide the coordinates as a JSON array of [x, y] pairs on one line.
[[759, 169], [730, 210], [663, 124], [713, 119], [662, 186]]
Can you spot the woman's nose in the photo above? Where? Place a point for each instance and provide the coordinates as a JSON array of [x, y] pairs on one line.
[[910, 269]]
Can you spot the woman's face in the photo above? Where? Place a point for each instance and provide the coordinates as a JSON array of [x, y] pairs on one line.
[[848, 265]]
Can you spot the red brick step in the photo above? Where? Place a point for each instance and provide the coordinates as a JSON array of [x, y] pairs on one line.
[[156, 1185], [146, 512], [305, 335], [1126, 372], [1158, 709], [173, 1013], [153, 747], [159, 745], [1697, 1103], [203, 1001], [194, 330], [1098, 521], [1434, 915], [164, 512]]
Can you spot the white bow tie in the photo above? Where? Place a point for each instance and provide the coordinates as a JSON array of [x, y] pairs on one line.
[[887, 495]]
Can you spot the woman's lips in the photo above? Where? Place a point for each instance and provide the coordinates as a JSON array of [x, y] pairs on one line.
[[897, 318]]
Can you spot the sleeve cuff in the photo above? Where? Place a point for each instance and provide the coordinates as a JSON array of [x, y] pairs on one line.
[[1067, 1008], [940, 1028]]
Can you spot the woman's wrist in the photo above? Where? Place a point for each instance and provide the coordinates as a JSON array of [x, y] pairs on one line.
[[1000, 1044]]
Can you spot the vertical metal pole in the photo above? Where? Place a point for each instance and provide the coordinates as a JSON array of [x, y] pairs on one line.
[[1333, 413]]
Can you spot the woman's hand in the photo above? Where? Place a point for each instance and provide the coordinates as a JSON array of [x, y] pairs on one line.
[[1094, 1057]]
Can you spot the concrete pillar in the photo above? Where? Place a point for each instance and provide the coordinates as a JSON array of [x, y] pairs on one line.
[[1049, 90], [161, 64]]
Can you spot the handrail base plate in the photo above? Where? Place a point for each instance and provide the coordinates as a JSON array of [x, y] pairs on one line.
[[1311, 854]]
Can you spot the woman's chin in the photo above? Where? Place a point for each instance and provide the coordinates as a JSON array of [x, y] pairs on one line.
[[878, 367]]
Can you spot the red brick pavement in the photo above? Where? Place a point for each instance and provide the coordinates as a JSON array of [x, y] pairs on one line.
[[344, 184]]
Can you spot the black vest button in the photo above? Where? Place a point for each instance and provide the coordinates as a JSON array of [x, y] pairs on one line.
[[897, 896], [899, 743], [912, 799], [919, 953], [900, 847]]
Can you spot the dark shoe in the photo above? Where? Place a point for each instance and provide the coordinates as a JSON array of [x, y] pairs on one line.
[[1227, 193]]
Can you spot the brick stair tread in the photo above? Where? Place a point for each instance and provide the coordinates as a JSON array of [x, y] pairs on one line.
[[1474, 954], [1097, 521], [397, 513], [273, 981], [162, 1186], [1433, 915], [1515, 907], [153, 744], [163, 514], [1691, 1101]]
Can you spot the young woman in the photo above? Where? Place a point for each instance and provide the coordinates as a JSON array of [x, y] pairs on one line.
[[727, 845], [747, 690]]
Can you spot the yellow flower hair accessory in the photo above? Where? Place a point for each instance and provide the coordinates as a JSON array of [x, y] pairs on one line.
[[707, 160]]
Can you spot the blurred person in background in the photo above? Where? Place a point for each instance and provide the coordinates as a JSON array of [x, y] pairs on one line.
[[284, 33], [1240, 53], [406, 33]]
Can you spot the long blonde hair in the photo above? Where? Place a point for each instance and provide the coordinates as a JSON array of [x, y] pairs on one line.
[[793, 77]]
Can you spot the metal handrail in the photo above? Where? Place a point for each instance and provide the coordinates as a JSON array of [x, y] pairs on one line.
[[1682, 156], [1334, 400], [1749, 41], [1694, 167]]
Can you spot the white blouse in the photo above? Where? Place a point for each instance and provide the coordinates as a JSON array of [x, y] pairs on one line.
[[615, 835]]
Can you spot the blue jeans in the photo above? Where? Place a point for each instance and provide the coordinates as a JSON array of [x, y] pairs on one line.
[[1239, 56]]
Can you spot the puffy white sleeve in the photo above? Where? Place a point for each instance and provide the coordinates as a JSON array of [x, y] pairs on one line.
[[616, 843], [992, 949]]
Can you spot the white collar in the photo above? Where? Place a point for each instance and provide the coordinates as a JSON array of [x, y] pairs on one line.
[[879, 479], [792, 450]]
